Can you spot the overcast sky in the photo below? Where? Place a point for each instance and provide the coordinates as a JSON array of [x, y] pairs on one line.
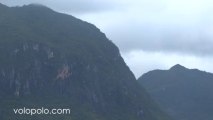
[[151, 34]]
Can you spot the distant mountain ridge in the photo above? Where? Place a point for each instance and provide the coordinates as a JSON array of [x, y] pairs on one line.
[[50, 59], [183, 93]]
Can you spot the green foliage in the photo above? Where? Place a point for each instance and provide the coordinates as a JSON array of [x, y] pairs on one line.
[[36, 44], [182, 93]]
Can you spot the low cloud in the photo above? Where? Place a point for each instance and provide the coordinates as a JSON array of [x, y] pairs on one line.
[[141, 62], [68, 6], [176, 27], [183, 27], [181, 39]]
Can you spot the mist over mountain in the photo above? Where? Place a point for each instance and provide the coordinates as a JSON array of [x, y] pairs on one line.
[[49, 59], [183, 93]]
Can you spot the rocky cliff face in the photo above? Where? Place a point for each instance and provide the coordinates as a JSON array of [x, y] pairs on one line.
[[45, 54]]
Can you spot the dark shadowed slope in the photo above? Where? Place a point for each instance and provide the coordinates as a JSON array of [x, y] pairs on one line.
[[186, 94], [53, 60]]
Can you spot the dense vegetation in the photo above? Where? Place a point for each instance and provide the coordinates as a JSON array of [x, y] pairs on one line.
[[49, 59], [185, 94]]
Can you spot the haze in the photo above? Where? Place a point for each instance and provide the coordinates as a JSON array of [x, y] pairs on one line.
[[151, 34]]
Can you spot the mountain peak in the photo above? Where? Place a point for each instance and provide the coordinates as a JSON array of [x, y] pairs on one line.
[[36, 5], [176, 88], [2, 6], [177, 67], [65, 59]]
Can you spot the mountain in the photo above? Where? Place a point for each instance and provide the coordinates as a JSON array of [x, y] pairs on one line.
[[185, 94], [54, 60]]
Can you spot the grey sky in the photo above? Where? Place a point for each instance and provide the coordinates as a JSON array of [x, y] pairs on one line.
[[71, 6], [151, 34]]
